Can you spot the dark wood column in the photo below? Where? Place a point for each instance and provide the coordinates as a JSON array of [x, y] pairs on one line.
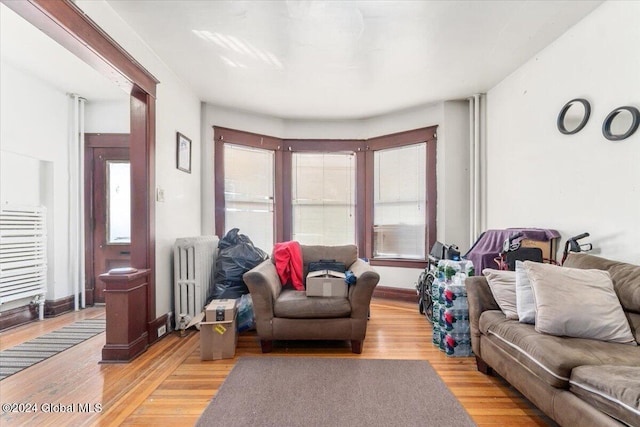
[[142, 195], [126, 306]]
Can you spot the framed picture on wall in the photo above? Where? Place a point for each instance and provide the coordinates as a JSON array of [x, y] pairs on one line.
[[183, 153]]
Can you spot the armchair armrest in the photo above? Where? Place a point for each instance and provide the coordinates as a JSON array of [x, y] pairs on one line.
[[360, 293], [264, 285], [480, 299]]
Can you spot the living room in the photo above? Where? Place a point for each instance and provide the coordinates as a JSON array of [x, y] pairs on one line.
[[531, 174]]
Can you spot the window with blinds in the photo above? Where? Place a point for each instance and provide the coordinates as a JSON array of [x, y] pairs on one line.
[[399, 212], [323, 198], [249, 193]]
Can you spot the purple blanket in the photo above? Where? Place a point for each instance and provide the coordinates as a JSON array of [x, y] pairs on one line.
[[489, 245]]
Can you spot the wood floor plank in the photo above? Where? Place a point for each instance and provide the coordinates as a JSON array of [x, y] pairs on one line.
[[168, 385]]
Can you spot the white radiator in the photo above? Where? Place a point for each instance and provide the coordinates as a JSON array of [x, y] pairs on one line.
[[193, 265], [23, 254]]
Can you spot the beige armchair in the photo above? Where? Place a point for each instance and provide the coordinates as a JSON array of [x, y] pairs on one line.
[[287, 314]]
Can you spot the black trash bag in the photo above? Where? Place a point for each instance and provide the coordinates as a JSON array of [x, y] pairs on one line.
[[236, 256]]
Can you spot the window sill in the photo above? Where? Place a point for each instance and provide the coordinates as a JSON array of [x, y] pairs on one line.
[[404, 263]]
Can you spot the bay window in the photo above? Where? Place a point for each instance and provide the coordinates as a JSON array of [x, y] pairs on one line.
[[379, 193]]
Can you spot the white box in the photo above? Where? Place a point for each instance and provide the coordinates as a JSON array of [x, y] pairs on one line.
[[326, 283], [221, 310]]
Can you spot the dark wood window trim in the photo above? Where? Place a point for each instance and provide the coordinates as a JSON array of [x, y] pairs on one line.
[[363, 150], [324, 145], [283, 211], [246, 138], [99, 140], [402, 138], [221, 136], [218, 184], [416, 136], [361, 202]]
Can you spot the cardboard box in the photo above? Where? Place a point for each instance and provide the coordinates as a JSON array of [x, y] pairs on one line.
[[218, 340], [221, 310], [326, 283]]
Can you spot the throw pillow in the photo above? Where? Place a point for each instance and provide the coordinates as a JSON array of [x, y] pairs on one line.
[[525, 304], [503, 287], [577, 303]]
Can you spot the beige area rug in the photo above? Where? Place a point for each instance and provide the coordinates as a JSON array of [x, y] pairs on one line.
[[301, 391]]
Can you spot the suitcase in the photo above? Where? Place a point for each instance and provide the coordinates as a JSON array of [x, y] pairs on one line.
[[327, 264]]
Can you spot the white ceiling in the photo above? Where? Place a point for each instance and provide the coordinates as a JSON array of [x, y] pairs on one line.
[[345, 59], [315, 59]]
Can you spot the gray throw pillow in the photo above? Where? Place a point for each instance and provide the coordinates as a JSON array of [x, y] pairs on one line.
[[577, 303], [503, 287], [525, 304]]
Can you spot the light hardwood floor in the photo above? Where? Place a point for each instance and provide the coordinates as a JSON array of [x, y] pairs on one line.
[[169, 385]]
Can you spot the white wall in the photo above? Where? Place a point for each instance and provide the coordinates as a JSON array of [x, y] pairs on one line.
[[325, 129], [408, 119], [453, 176], [34, 163], [107, 116], [177, 110], [537, 177], [452, 145]]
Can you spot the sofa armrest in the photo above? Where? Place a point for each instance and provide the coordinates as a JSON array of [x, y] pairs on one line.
[[480, 299], [360, 293], [264, 286]]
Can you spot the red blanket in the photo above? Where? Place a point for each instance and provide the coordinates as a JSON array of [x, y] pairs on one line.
[[288, 259]]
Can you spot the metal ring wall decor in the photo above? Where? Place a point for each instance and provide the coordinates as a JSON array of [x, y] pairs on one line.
[[633, 126], [582, 120]]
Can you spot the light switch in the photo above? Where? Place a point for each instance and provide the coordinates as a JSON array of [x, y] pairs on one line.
[[160, 194]]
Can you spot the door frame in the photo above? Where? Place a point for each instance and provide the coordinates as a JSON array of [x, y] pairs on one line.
[[68, 25], [91, 142]]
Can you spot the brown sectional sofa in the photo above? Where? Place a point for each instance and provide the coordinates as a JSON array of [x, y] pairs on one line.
[[575, 381]]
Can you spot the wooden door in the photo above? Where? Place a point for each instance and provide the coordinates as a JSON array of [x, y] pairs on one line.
[[111, 220]]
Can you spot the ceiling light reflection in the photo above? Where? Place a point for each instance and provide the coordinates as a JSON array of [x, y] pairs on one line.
[[240, 47], [228, 61], [231, 63]]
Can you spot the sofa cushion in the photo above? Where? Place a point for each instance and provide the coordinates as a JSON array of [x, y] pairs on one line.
[[615, 390], [503, 287], [634, 322], [577, 303], [549, 357], [296, 305], [525, 304], [625, 277]]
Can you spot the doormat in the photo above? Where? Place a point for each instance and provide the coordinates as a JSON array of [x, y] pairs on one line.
[[307, 391], [15, 359]]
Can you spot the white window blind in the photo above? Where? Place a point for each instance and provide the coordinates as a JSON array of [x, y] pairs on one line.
[[249, 193], [323, 198], [400, 202]]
